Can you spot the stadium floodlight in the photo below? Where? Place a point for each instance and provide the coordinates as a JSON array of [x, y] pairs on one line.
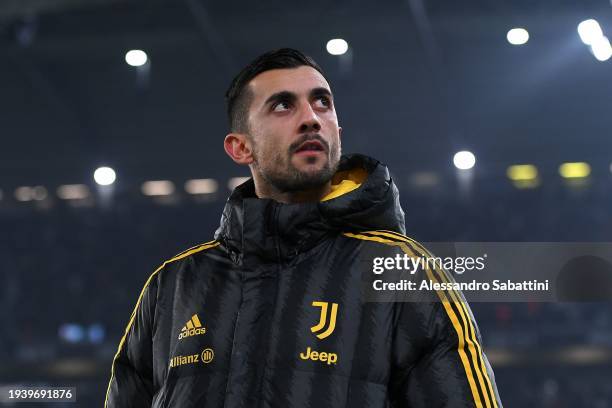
[[464, 160], [517, 36], [39, 193], [601, 48], [201, 186], [157, 188], [574, 170], [589, 31], [105, 176], [235, 182], [73, 191], [337, 46], [24, 193], [136, 58], [522, 172]]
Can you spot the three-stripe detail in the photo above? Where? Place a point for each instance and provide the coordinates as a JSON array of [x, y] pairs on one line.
[[192, 323], [469, 349], [184, 254]]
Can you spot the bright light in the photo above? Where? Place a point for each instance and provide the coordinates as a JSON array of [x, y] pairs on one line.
[[201, 186], [517, 36], [574, 170], [39, 193], [105, 176], [235, 182], [136, 58], [73, 191], [157, 188], [522, 172], [464, 160], [337, 46], [601, 48], [589, 31], [24, 193]]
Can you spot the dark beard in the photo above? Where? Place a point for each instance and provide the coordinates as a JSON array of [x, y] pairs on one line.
[[293, 180]]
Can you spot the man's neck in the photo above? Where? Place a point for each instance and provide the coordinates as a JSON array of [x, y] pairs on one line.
[[265, 190]]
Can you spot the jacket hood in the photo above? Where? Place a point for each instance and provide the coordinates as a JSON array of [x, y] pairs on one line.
[[363, 197]]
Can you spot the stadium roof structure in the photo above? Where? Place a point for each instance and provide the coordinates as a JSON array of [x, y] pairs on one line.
[[421, 81]]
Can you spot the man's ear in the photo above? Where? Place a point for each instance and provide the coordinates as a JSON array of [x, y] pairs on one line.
[[238, 147]]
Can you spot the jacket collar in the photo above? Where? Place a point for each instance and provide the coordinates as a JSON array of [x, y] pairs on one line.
[[363, 197]]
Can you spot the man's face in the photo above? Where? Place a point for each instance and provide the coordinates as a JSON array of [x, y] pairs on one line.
[[293, 128]]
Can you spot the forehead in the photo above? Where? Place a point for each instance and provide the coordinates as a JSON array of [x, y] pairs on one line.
[[298, 80]]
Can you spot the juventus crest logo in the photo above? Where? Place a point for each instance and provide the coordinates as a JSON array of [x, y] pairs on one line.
[[323, 321]]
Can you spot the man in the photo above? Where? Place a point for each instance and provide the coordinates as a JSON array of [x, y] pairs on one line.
[[271, 313]]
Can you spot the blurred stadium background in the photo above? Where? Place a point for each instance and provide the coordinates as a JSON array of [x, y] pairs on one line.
[[419, 82]]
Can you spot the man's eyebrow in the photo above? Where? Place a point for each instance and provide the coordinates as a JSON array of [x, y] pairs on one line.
[[290, 96], [320, 91], [281, 96]]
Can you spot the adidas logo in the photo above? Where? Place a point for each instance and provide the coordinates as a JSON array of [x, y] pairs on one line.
[[193, 327]]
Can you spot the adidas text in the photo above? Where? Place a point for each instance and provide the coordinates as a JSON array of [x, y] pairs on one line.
[[192, 332]]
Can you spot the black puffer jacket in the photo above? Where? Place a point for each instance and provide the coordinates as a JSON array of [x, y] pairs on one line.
[[272, 314]]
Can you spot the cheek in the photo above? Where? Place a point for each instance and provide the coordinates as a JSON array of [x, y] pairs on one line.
[[331, 126], [272, 141], [267, 150]]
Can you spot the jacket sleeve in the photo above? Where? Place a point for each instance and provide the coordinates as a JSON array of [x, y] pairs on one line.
[[438, 358], [452, 369], [131, 382]]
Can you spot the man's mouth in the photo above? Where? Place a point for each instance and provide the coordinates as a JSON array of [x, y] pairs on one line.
[[310, 147]]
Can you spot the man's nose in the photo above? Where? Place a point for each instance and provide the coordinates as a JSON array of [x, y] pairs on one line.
[[309, 120]]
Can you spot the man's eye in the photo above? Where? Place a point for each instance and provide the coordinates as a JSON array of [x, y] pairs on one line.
[[324, 101], [280, 106]]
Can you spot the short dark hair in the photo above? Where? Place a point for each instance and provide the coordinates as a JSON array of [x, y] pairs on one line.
[[239, 97]]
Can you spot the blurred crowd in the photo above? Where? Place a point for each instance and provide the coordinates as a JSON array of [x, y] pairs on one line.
[[86, 266]]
